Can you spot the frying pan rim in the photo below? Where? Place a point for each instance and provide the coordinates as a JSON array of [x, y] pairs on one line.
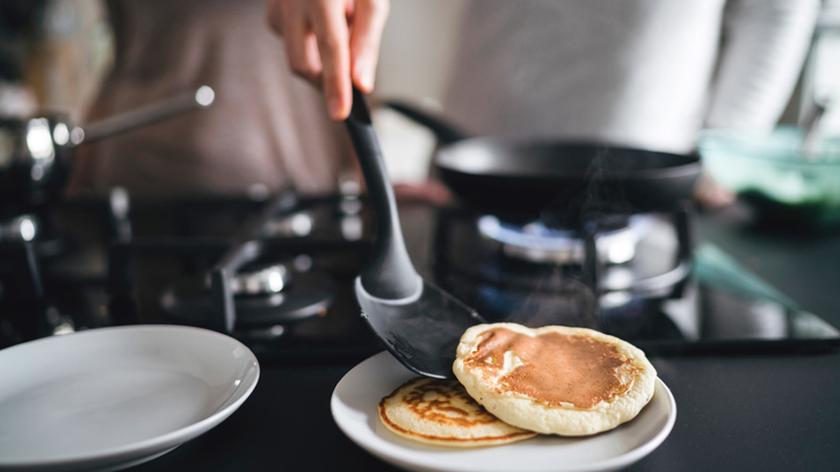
[[690, 162]]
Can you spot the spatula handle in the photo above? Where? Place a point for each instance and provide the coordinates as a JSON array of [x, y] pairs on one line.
[[389, 274]]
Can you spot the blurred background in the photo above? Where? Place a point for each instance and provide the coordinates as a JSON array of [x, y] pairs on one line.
[[485, 72], [55, 55]]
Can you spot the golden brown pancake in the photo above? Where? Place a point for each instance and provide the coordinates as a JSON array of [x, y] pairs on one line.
[[560, 380], [440, 412]]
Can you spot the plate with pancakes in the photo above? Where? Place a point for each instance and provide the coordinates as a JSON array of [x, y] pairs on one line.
[[548, 399]]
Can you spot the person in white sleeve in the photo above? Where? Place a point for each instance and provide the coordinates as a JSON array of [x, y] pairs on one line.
[[644, 73]]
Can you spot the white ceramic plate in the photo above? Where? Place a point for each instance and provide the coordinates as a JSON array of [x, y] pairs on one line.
[[354, 408], [110, 398]]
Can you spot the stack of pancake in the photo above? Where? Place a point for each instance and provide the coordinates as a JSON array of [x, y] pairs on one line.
[[515, 382]]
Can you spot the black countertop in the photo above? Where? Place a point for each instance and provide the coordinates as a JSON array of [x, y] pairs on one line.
[[745, 412]]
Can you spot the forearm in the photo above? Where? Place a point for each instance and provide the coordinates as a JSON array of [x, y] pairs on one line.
[[766, 42]]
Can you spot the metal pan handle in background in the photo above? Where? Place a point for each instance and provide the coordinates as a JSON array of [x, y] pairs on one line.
[[196, 99], [443, 131]]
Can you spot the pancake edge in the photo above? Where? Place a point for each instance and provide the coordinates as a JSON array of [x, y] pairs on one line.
[[524, 412]]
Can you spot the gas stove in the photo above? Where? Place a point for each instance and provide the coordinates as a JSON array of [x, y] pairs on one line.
[[278, 273], [637, 277]]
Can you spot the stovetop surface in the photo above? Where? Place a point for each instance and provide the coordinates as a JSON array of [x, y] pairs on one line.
[[714, 311]]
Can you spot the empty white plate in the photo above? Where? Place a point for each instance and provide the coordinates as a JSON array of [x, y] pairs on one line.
[[354, 408], [110, 398]]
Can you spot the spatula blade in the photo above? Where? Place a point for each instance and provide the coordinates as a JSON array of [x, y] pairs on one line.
[[423, 333]]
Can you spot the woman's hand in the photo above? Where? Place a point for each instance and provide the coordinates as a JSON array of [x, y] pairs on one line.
[[331, 42]]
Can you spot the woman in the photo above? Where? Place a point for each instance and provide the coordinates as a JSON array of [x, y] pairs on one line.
[[645, 73]]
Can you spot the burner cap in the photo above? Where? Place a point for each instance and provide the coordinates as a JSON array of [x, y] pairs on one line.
[[264, 280], [298, 224]]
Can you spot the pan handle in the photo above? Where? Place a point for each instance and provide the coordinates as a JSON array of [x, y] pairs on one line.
[[443, 131], [196, 99], [389, 275]]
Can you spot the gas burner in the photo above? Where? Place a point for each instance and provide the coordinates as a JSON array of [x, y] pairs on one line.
[[541, 244], [264, 300], [538, 273]]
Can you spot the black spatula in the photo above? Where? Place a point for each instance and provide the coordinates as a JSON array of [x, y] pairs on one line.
[[419, 323]]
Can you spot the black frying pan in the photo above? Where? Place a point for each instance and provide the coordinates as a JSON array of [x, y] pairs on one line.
[[531, 177]]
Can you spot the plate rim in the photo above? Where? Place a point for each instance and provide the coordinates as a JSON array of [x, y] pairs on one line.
[[621, 460], [169, 440]]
